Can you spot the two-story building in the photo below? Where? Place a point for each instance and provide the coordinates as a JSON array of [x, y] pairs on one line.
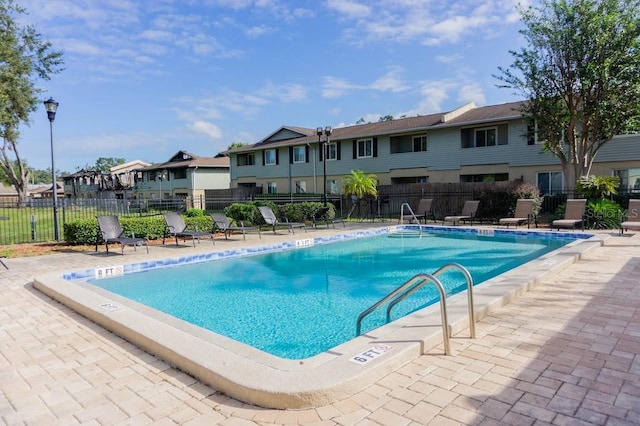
[[184, 175], [469, 144]]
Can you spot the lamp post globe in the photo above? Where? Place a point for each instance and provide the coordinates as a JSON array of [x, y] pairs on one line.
[[51, 107]]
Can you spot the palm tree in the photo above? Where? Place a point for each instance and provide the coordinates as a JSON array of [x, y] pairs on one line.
[[358, 185]]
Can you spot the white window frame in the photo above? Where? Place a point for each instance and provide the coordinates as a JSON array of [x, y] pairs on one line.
[[331, 151], [272, 187], [270, 157], [364, 143], [550, 190], [485, 130], [423, 143], [300, 186], [332, 186], [299, 154]]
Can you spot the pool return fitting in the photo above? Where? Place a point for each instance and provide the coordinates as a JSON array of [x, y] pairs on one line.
[[416, 283]]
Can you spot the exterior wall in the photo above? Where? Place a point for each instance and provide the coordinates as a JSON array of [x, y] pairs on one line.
[[444, 160]]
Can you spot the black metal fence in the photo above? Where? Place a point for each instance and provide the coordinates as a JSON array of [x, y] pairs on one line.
[[34, 222]]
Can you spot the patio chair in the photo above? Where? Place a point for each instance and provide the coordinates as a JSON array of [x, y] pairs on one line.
[[573, 215], [469, 211], [175, 227], [271, 220], [111, 232], [223, 223], [322, 215], [632, 217], [522, 214]]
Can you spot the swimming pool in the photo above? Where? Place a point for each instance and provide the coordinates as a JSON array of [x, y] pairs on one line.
[[256, 377], [298, 303]]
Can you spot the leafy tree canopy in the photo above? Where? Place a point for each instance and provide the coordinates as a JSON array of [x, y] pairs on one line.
[[24, 59], [579, 76]]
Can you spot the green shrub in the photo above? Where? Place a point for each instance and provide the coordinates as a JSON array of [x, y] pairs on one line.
[[85, 231], [245, 212], [604, 214], [194, 212], [592, 187]]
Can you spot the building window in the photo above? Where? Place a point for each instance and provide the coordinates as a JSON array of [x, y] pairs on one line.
[[299, 154], [629, 179], [485, 137], [152, 176], [246, 159], [407, 143], [332, 151], [365, 148], [180, 173], [332, 186], [550, 183], [489, 177], [301, 186], [272, 188], [270, 157], [419, 143]]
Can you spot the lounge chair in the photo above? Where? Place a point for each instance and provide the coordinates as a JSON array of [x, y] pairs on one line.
[[573, 215], [271, 220], [322, 215], [223, 224], [175, 227], [632, 217], [425, 210], [111, 232], [522, 214], [469, 211]]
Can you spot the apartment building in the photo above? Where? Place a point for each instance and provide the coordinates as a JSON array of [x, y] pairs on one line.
[[469, 144]]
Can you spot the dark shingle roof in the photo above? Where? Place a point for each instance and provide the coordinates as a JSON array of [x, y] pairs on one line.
[[466, 115]]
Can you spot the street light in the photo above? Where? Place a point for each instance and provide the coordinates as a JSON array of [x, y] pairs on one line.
[[327, 133], [163, 176], [51, 107]]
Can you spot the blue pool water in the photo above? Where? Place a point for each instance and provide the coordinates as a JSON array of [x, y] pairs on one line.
[[297, 303]]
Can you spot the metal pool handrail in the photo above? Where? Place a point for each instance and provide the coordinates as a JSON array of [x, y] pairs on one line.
[[417, 282], [412, 214], [443, 269]]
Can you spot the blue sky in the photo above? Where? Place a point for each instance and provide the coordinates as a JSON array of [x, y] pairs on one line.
[[144, 79]]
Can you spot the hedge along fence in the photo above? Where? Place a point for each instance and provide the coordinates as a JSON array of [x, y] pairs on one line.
[[86, 231]]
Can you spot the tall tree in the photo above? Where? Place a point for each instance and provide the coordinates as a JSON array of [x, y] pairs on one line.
[[579, 75], [104, 164], [24, 59]]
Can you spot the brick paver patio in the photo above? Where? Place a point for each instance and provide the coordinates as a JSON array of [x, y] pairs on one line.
[[567, 352]]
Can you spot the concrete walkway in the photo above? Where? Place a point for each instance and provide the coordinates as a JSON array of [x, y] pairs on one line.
[[567, 352]]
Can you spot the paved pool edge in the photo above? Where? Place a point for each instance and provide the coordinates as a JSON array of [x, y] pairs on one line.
[[257, 378]]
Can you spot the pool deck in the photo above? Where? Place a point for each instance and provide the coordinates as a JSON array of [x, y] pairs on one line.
[[565, 352]]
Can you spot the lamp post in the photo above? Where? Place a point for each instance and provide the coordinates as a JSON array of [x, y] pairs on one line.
[[52, 106], [327, 134], [163, 176]]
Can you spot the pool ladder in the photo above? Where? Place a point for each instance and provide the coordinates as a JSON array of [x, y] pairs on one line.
[[411, 216], [416, 283]]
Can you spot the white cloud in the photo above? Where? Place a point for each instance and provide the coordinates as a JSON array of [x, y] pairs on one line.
[[334, 87], [351, 9], [390, 82], [427, 22], [205, 128], [472, 92]]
